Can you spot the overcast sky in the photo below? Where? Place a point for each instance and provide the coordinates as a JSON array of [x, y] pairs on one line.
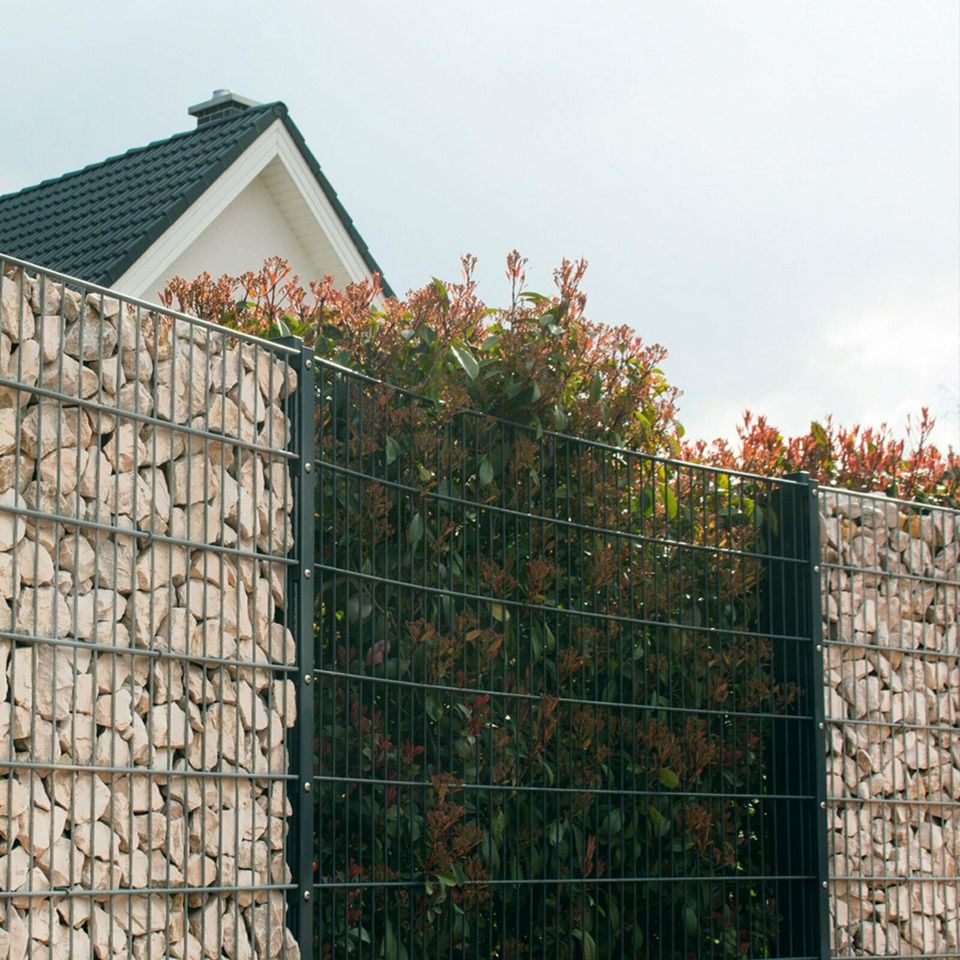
[[770, 189]]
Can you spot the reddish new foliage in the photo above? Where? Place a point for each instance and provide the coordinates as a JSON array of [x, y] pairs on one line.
[[537, 360], [541, 360], [858, 458]]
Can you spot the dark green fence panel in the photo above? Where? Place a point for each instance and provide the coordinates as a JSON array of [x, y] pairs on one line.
[[551, 712]]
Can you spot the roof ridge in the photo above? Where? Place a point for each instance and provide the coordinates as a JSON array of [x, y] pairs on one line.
[[97, 221], [278, 106]]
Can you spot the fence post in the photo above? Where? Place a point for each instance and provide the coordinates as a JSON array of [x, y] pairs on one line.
[[801, 615], [301, 600]]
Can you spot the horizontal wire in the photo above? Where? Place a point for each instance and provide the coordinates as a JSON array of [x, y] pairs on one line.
[[884, 648], [662, 542], [167, 773], [627, 454], [573, 611], [353, 779], [561, 700], [150, 653], [907, 575], [107, 294], [565, 881], [172, 890], [149, 535]]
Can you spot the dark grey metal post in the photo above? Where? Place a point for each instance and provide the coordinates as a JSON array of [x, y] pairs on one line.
[[803, 518], [301, 593]]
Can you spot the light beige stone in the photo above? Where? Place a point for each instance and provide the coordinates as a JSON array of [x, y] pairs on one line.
[[109, 373], [12, 525], [170, 727], [109, 938], [141, 914], [38, 829], [162, 563], [49, 425], [90, 339], [143, 496], [115, 563], [146, 613], [125, 450], [43, 679], [114, 710], [44, 295], [195, 480], [69, 377], [16, 314], [34, 564], [84, 796]]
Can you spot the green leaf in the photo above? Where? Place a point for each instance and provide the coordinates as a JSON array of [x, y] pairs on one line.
[[441, 289], [819, 434], [669, 779], [415, 531], [392, 948], [499, 826], [611, 826], [359, 607], [555, 832], [392, 450], [466, 359], [448, 879], [513, 388], [536, 644], [589, 944], [486, 472], [656, 818]]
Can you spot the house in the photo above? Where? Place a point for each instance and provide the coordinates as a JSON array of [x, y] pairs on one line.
[[240, 187]]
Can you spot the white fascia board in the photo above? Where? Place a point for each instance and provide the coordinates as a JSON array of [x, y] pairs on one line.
[[202, 212], [275, 141], [319, 205]]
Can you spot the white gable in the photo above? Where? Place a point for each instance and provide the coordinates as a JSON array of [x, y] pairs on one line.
[[267, 203], [249, 230]]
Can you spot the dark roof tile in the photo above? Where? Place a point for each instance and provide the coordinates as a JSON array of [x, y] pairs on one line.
[[114, 210]]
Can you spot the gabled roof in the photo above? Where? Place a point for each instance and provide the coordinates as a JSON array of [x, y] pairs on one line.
[[95, 223]]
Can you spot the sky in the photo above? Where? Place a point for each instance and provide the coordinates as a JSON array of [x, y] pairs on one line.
[[769, 189]]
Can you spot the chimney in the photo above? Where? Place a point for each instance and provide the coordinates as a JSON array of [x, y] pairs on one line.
[[222, 104]]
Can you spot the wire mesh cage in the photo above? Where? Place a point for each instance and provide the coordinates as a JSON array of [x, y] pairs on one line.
[[892, 693], [145, 651], [564, 700]]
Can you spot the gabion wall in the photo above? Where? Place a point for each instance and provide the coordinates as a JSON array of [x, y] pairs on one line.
[[892, 694], [145, 665]]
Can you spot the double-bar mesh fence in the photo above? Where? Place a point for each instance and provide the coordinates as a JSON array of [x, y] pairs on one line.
[[147, 667], [561, 700], [566, 699]]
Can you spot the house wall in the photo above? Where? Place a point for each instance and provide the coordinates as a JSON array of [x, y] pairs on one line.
[[248, 231]]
